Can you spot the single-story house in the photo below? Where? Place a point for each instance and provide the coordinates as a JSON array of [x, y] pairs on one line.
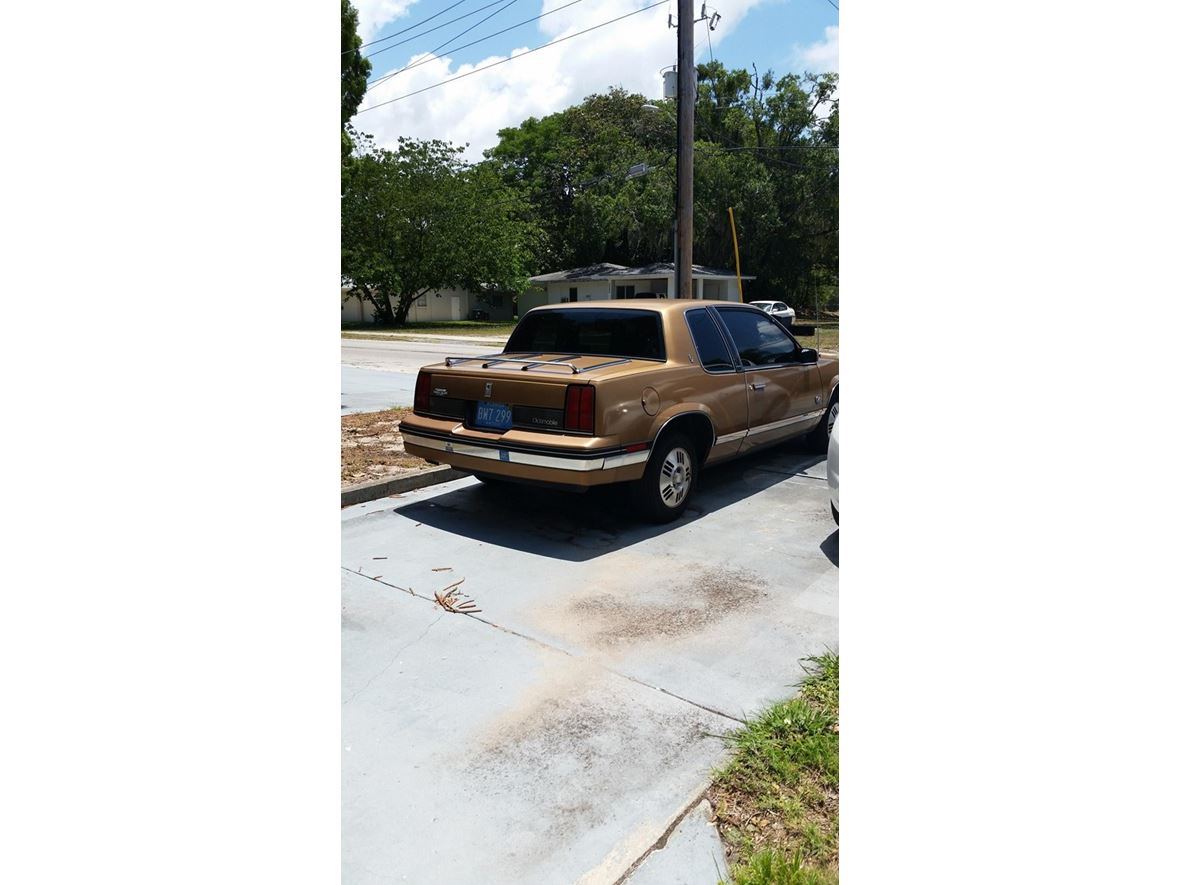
[[602, 282], [443, 304]]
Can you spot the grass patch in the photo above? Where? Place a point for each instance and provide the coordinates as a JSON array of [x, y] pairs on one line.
[[371, 447], [777, 802], [826, 339]]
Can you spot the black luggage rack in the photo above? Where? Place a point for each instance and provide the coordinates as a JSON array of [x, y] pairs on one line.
[[527, 363]]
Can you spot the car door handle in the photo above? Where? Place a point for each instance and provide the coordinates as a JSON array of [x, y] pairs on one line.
[[758, 386]]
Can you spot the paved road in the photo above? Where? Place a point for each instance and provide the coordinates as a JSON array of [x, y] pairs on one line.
[[555, 736], [377, 375]]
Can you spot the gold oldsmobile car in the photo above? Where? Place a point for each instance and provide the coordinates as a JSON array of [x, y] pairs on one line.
[[638, 392]]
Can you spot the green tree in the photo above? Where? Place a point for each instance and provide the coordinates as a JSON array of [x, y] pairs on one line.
[[419, 219], [572, 168], [354, 72], [765, 145]]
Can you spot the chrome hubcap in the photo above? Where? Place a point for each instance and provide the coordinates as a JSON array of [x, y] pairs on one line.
[[675, 477], [832, 416]]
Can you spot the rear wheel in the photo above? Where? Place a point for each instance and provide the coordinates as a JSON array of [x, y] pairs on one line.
[[668, 483]]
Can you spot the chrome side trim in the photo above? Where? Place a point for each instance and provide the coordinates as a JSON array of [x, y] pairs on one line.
[[626, 460], [730, 437], [778, 425], [577, 465]]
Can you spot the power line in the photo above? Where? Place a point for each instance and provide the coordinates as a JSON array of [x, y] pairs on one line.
[[786, 147], [443, 45], [833, 5], [373, 83], [403, 30], [457, 18], [513, 57]]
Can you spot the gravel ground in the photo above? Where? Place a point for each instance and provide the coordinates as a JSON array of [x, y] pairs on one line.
[[371, 447]]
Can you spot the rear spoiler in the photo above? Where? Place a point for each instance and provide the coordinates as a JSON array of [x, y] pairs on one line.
[[526, 364]]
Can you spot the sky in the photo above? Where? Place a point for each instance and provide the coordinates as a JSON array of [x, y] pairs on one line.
[[780, 35]]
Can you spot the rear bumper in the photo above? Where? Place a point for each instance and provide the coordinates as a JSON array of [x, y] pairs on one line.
[[580, 465]]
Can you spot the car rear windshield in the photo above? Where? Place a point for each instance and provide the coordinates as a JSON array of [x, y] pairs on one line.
[[598, 332]]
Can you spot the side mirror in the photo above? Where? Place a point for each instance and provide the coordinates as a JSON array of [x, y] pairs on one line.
[[808, 355]]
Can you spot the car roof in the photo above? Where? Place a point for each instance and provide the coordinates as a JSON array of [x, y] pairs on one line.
[[660, 305]]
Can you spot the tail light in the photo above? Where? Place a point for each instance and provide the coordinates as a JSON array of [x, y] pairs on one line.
[[579, 408], [422, 393]]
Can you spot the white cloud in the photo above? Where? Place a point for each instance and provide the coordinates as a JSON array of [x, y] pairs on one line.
[[628, 53], [373, 15], [823, 55]]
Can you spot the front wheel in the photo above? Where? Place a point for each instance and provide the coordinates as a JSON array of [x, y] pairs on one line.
[[668, 482], [818, 438]]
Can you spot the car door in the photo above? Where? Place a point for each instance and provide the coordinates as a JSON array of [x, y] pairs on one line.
[[721, 385], [781, 391]]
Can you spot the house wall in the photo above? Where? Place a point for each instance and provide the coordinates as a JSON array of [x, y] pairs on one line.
[[659, 285], [599, 290], [588, 290], [350, 308], [534, 296], [441, 306]]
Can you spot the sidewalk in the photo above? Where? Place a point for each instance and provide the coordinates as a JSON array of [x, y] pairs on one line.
[[422, 336]]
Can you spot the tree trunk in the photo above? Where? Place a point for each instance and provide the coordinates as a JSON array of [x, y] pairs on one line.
[[404, 303], [403, 310], [382, 310]]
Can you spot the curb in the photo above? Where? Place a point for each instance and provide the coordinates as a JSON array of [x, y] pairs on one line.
[[380, 488]]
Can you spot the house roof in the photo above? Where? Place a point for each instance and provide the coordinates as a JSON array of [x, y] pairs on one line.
[[590, 272], [608, 271]]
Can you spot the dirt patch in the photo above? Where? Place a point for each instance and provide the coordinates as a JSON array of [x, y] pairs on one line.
[[611, 619], [371, 447]]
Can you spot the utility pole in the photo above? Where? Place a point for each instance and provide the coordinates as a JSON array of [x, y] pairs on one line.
[[685, 122]]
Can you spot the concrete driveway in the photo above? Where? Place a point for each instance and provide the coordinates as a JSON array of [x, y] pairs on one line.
[[556, 735]]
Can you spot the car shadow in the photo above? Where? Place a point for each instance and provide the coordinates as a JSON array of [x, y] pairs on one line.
[[831, 547], [579, 527]]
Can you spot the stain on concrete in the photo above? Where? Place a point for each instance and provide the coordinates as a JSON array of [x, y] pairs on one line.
[[660, 610], [562, 747]]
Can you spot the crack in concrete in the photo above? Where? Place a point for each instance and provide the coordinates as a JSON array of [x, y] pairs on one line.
[[697, 796], [662, 842], [393, 659], [790, 473], [550, 647]]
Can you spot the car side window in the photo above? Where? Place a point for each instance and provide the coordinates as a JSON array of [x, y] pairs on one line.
[[760, 340], [711, 349]]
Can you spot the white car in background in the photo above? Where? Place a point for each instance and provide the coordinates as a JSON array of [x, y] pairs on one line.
[[834, 466], [777, 309]]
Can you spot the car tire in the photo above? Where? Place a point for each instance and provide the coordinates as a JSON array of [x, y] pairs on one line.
[[818, 439], [669, 480]]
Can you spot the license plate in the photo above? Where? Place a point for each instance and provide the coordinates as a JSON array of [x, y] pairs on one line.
[[494, 416]]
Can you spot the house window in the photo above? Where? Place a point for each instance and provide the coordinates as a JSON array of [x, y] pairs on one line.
[[624, 291], [573, 294]]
